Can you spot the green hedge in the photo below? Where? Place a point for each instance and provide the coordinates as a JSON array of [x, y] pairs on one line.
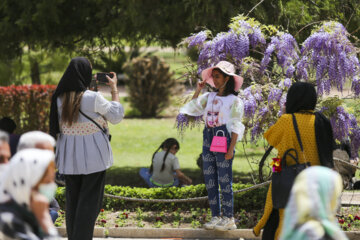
[[250, 200]]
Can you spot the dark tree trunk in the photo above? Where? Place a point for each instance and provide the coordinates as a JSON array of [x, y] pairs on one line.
[[35, 72]]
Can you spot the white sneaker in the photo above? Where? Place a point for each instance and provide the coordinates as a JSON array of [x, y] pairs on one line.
[[226, 224], [210, 225]]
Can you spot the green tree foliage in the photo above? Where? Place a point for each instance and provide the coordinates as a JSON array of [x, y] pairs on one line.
[[294, 15], [87, 27], [87, 23], [76, 25]]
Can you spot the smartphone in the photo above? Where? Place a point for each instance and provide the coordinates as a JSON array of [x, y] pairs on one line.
[[101, 77]]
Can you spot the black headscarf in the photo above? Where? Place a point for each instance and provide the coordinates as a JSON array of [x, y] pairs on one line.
[[302, 97], [76, 78]]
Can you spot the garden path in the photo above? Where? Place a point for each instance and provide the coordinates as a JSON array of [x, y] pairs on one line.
[[154, 238]]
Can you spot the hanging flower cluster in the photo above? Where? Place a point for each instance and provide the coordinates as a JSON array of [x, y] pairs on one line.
[[263, 104], [184, 121], [344, 124], [232, 46], [345, 127], [197, 40], [330, 57], [286, 49]]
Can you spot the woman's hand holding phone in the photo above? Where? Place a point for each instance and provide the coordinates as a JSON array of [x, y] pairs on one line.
[[112, 82]]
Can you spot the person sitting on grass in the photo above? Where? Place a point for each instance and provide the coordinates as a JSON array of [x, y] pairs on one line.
[[163, 166]]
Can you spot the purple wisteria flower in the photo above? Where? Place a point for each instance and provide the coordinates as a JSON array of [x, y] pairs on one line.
[[255, 132], [204, 60], [250, 106], [355, 142], [286, 83], [232, 46], [341, 124], [184, 121], [355, 86], [345, 127], [256, 37], [286, 49], [253, 32], [330, 54], [274, 95], [197, 39]]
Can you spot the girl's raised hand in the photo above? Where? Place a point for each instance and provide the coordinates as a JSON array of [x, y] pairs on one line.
[[200, 85]]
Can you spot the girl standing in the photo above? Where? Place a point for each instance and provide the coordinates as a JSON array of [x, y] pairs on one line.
[[78, 118], [222, 112]]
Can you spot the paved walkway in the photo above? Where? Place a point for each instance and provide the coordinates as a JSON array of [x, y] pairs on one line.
[[350, 198], [159, 238]]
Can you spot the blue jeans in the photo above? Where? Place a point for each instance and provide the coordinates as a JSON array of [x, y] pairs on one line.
[[218, 171], [54, 215], [146, 175]]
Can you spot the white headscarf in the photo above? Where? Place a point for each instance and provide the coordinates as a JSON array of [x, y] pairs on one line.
[[24, 171], [310, 212]]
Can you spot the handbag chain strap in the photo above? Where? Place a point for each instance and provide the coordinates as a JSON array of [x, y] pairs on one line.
[[298, 137]]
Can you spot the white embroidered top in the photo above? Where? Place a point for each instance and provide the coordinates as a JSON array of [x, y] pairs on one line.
[[217, 111]]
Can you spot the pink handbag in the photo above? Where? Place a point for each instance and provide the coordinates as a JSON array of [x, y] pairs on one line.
[[219, 144]]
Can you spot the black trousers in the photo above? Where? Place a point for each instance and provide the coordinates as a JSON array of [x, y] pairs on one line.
[[84, 196], [271, 225]]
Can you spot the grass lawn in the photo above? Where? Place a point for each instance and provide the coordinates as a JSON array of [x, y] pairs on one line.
[[135, 140]]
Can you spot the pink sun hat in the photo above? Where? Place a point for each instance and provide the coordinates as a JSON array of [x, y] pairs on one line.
[[227, 68]]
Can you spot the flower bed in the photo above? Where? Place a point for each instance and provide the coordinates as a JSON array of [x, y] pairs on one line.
[[250, 200], [178, 218], [349, 218]]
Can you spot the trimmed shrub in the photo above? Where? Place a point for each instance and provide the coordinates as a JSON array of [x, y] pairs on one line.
[[250, 200], [150, 85], [27, 105]]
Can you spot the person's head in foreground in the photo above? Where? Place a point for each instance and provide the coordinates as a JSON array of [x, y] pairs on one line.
[[301, 97], [36, 139], [314, 200], [26, 189], [4, 148]]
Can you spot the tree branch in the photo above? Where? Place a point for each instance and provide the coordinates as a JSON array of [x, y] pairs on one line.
[[306, 27], [254, 8]]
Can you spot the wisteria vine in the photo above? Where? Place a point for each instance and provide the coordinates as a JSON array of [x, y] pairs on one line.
[[327, 58], [329, 55]]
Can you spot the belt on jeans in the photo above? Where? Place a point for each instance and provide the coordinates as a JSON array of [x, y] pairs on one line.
[[161, 185]]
